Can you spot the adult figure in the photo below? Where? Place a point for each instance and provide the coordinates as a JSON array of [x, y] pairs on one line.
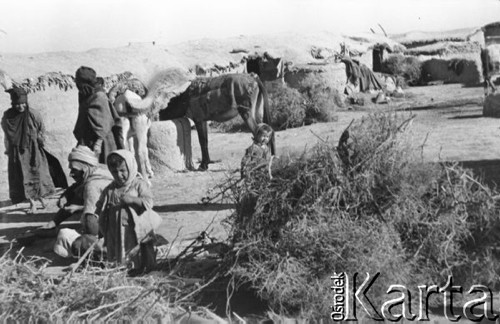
[[90, 180], [28, 168], [95, 119], [80, 199]]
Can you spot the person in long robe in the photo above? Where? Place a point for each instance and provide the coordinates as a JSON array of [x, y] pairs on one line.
[[80, 199], [125, 214], [28, 169], [95, 120]]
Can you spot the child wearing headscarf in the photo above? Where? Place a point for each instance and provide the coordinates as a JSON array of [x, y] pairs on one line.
[[258, 153], [28, 167], [125, 213]]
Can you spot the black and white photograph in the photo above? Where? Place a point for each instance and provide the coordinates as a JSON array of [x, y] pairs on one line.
[[250, 162]]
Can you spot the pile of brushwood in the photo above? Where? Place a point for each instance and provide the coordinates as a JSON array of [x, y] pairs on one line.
[[92, 293], [364, 204], [315, 101]]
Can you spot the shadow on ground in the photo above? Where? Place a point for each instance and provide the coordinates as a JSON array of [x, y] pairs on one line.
[[487, 170], [192, 207], [14, 224], [467, 117]]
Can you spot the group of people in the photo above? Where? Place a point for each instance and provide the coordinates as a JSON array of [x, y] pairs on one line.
[[114, 204]]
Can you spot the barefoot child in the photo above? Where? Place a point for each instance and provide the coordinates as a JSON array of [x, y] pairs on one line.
[[126, 215], [28, 167], [258, 153]]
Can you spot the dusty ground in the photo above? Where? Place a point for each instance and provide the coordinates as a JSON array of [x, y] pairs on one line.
[[448, 126]]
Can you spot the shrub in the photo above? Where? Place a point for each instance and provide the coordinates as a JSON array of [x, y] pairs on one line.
[[363, 206], [408, 67], [321, 100], [287, 108], [315, 101], [234, 125]]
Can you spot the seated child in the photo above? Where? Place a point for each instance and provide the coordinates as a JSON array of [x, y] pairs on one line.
[[257, 154], [125, 214]]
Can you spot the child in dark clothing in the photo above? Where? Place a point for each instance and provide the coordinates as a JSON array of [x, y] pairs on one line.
[[257, 154]]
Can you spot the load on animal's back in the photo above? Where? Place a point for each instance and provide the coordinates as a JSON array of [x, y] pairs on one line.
[[221, 99]]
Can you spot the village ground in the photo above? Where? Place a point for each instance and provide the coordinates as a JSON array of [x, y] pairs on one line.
[[448, 126]]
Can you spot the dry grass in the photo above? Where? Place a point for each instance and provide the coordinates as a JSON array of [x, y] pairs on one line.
[[314, 102], [407, 67], [364, 205], [445, 48], [94, 294]]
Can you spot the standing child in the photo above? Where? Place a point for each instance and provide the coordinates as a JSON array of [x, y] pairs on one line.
[[125, 214], [28, 167], [258, 153]]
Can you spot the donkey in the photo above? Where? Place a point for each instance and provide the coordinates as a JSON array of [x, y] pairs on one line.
[[220, 99]]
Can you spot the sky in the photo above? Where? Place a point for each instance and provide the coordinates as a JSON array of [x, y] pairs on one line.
[[33, 26]]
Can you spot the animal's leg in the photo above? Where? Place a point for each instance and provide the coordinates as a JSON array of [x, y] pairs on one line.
[[32, 208], [149, 169], [43, 202], [123, 134], [140, 125], [486, 86], [492, 85], [118, 135], [131, 142], [201, 129], [258, 107], [142, 137], [261, 112], [247, 115]]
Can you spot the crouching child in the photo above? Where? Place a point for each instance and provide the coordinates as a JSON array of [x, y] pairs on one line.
[[126, 217]]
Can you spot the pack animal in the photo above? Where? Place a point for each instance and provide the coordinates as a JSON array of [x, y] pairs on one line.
[[132, 124], [221, 99], [490, 59]]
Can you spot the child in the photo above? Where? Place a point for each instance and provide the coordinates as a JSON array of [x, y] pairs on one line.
[[258, 153], [28, 167], [125, 214]]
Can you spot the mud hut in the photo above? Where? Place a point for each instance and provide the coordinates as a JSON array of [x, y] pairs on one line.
[[270, 69], [456, 70]]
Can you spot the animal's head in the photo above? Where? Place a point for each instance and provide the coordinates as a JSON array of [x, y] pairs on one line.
[[5, 81]]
